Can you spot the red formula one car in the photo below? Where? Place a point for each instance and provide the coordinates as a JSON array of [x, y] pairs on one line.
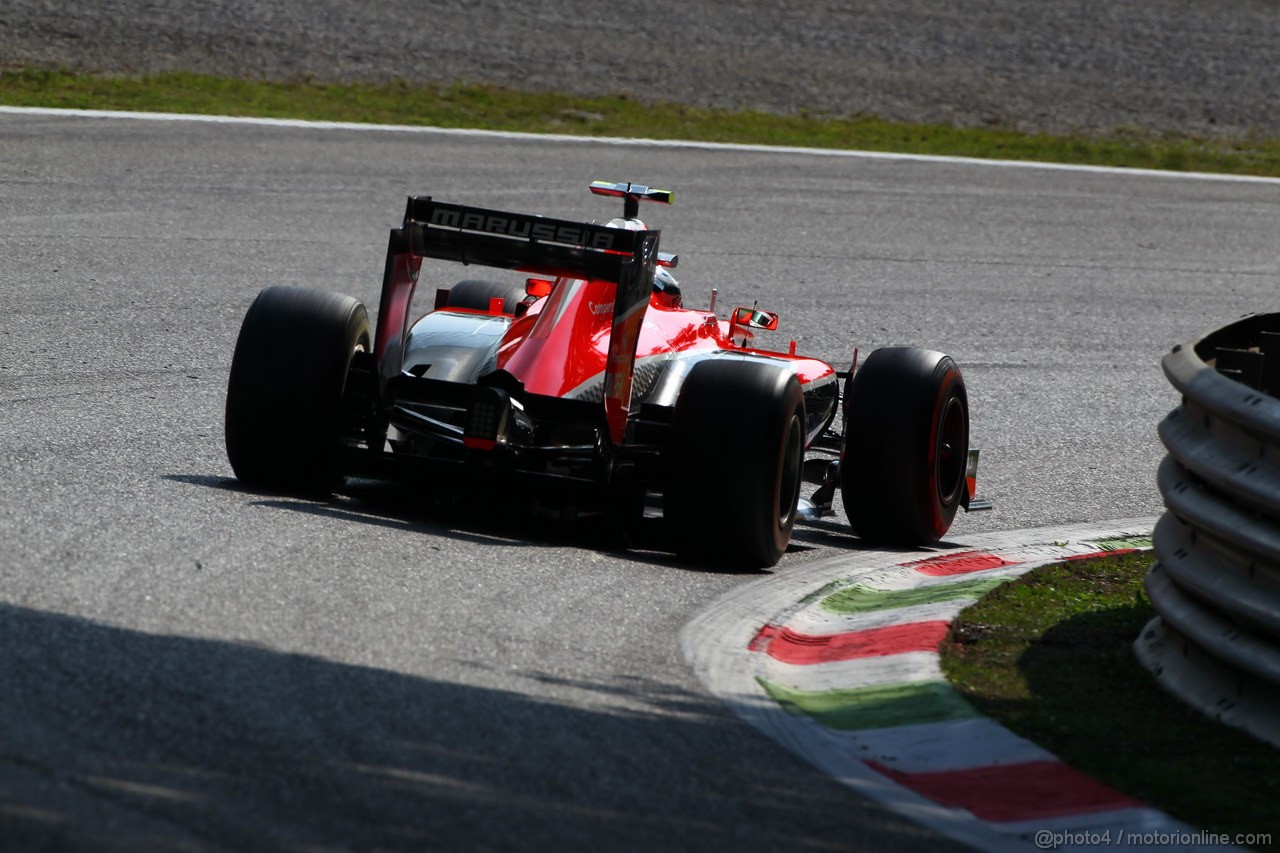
[[589, 379]]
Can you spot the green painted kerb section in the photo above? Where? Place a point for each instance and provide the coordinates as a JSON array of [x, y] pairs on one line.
[[877, 707], [862, 599]]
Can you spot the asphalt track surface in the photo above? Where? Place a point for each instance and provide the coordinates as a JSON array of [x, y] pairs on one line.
[[192, 665]]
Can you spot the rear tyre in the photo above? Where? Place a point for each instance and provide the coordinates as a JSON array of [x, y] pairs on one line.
[[475, 294], [737, 449], [902, 466], [284, 415]]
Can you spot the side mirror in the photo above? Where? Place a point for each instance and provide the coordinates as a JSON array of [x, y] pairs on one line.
[[538, 287], [753, 319]]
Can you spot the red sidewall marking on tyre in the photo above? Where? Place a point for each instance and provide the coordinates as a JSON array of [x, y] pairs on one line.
[[931, 458]]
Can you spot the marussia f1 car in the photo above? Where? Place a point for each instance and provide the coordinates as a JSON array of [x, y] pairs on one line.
[[591, 380]]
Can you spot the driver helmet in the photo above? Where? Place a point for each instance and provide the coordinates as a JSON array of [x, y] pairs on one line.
[[663, 280]]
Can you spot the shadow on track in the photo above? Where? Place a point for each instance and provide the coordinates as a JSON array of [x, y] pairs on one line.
[[114, 739], [508, 518]]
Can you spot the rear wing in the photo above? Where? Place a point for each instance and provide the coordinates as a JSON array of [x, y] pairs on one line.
[[521, 241], [528, 243]]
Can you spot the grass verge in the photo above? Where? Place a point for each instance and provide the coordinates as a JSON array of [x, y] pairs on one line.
[[1049, 655], [493, 108]]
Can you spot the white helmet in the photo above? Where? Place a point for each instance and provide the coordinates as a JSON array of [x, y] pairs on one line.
[[627, 224], [663, 280]]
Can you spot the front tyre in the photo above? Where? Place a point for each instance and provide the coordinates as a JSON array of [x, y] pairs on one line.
[[284, 413], [737, 449], [902, 467]]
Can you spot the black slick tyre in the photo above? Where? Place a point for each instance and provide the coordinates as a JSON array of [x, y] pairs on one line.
[[284, 413], [902, 466], [737, 449], [475, 294]]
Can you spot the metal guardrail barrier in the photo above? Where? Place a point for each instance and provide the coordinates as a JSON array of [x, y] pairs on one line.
[[1216, 583]]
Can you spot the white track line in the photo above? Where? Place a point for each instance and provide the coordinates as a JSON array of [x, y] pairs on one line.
[[534, 138]]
